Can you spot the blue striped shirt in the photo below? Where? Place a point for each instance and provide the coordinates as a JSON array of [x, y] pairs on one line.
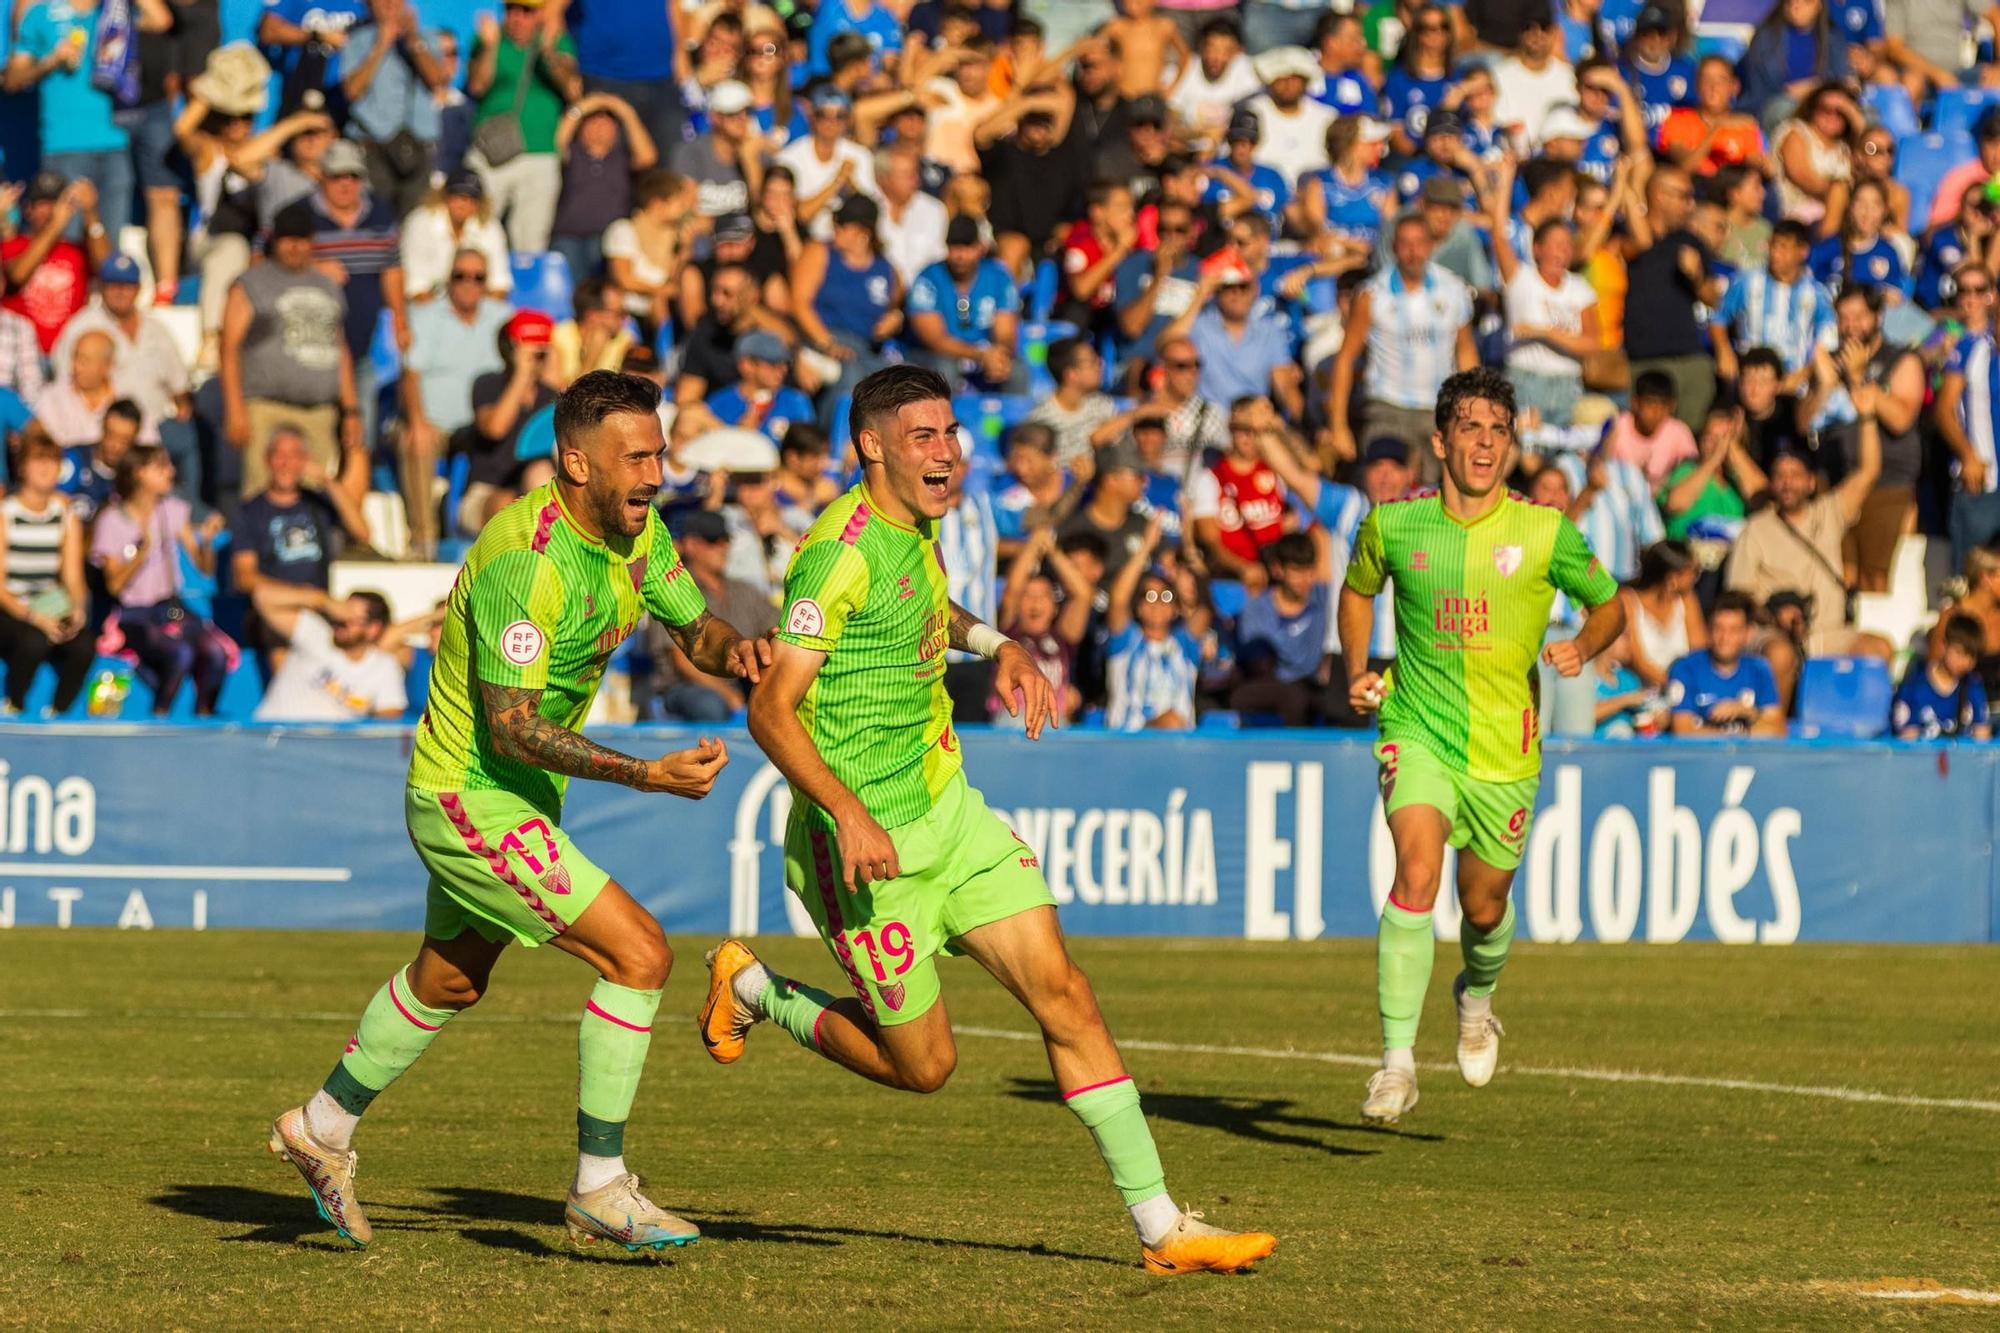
[[1340, 510], [1979, 406], [1149, 678], [1623, 520], [1789, 318], [1413, 334], [969, 546]]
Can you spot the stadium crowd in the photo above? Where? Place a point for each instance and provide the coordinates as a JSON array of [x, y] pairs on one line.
[[1197, 267]]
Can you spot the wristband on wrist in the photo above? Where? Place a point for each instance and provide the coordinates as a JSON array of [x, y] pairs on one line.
[[986, 641]]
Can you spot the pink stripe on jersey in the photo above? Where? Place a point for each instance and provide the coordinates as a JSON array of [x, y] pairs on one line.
[[454, 810], [836, 930], [545, 526], [590, 1007], [404, 1010], [859, 520], [1093, 1087]]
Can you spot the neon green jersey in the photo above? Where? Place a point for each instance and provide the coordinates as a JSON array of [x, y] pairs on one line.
[[1472, 607], [870, 594], [540, 606]]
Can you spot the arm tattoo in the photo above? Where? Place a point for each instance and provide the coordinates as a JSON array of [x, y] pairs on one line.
[[963, 622], [521, 733], [708, 642]]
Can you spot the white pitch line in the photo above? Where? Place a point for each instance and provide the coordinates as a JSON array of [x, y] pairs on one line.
[[1861, 1095], [1964, 1294], [251, 874]]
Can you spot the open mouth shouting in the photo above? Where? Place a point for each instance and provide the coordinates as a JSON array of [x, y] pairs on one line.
[[636, 505], [937, 483]]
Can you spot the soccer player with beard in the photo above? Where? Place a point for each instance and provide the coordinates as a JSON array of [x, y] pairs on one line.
[[894, 855], [556, 581], [1475, 568]]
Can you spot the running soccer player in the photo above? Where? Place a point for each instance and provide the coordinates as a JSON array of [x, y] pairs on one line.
[[895, 856], [1475, 569], [554, 584]]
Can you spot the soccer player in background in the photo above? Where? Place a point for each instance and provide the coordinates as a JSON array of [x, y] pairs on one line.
[[1475, 568], [894, 855], [554, 584]]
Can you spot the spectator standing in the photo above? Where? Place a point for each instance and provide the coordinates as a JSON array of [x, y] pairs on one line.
[[138, 543], [1111, 513], [847, 298], [678, 691], [1535, 79], [1414, 320], [1942, 696], [1648, 436], [524, 70], [391, 76], [302, 40], [451, 220], [1155, 651], [964, 315], [1078, 411], [1778, 306], [1612, 506], [285, 360], [646, 252], [1218, 79], [626, 48], [355, 237], [1670, 276], [826, 164], [336, 669], [1968, 417], [1244, 354], [44, 606], [912, 225], [48, 276], [1034, 177], [452, 343], [726, 164], [1721, 690], [1552, 315], [1237, 506], [1281, 635], [603, 146], [169, 58], [56, 52]]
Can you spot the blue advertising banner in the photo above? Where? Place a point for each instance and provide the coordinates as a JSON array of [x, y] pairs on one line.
[[1252, 835]]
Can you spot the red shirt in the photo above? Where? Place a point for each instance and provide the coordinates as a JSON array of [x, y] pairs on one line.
[[56, 289], [1081, 249], [1250, 511]]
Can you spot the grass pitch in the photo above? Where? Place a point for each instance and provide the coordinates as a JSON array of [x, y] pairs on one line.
[[138, 1073]]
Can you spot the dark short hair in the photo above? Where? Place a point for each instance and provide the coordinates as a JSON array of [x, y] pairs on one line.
[[1791, 229], [585, 404], [1728, 180], [1084, 542], [377, 604], [1761, 356], [1729, 599], [1294, 550], [1539, 173], [846, 48], [658, 183], [1330, 23], [1860, 291], [1657, 384], [1100, 191], [804, 437], [1548, 225], [1223, 26], [1481, 382], [1064, 353], [889, 390], [1963, 632], [126, 480], [1027, 26], [126, 409], [1661, 559], [590, 295]]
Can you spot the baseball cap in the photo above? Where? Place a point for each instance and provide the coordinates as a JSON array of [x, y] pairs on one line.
[[1443, 190], [1653, 19], [531, 326], [962, 230], [1566, 122], [1373, 130], [292, 221], [119, 267], [706, 524], [465, 183], [47, 185], [1442, 122], [1147, 109], [829, 98], [1286, 62], [734, 227], [1120, 457], [1384, 447], [860, 210], [728, 97], [763, 345], [343, 158], [1245, 125]]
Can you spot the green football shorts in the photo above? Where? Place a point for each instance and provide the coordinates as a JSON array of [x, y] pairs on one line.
[[962, 868], [497, 865], [1488, 819]]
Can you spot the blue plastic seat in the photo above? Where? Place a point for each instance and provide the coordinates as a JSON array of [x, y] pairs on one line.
[[1228, 597], [1956, 109], [542, 282], [988, 417], [1921, 163], [1034, 352], [1720, 41], [1044, 291], [1890, 105], [1844, 696]]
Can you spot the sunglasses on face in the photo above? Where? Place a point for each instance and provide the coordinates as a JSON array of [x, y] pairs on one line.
[[1430, 27], [1189, 363], [466, 275], [1974, 289]]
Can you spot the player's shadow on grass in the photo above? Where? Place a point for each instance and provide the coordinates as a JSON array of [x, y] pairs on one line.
[[1263, 1119], [272, 1217], [484, 1205]]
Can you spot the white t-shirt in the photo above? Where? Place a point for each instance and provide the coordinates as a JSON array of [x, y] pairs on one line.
[[1532, 301], [1525, 95], [1205, 104], [1292, 144], [621, 241], [320, 683], [814, 175], [917, 242]]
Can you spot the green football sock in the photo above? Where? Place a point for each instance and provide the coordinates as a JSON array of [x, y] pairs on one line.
[[1485, 952], [795, 1007], [1110, 1111], [1403, 953], [611, 1045], [395, 1029]]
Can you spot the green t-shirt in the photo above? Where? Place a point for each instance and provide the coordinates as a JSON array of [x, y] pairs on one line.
[[1472, 606], [871, 595], [541, 105], [1718, 499], [541, 606]]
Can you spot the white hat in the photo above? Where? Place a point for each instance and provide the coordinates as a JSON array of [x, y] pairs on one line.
[[1373, 130], [1287, 62], [1566, 122], [729, 97]]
